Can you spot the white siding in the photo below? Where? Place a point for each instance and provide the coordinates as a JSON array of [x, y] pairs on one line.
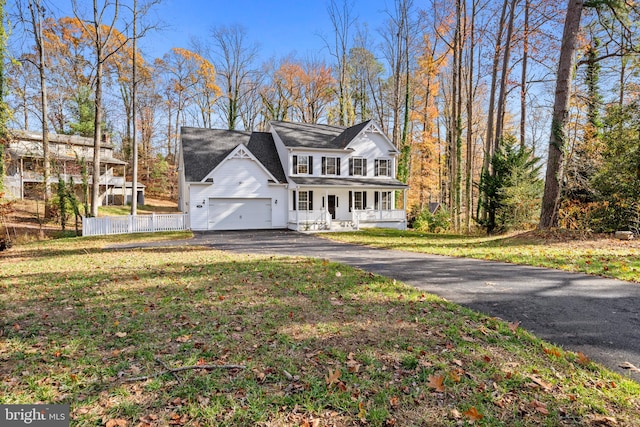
[[238, 179], [372, 146]]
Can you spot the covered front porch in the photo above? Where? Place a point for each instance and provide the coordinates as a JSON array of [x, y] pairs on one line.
[[346, 207]]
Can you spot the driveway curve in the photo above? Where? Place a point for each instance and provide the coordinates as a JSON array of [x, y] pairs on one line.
[[596, 316]]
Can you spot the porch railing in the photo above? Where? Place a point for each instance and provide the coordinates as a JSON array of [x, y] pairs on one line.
[[126, 224], [379, 215], [310, 219]]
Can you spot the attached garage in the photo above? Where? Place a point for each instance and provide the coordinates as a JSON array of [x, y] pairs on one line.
[[239, 214]]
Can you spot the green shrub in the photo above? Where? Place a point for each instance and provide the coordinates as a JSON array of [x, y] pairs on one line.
[[438, 222]]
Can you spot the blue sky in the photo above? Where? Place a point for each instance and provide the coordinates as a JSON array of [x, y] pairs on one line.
[[280, 27]]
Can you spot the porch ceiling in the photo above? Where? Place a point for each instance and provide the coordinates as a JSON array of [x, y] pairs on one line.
[[349, 182]]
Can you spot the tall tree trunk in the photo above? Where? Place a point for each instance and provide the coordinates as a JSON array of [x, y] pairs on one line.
[[555, 159], [502, 98], [97, 139], [460, 42], [134, 139], [623, 69], [523, 77], [488, 142], [3, 106], [102, 34], [397, 76], [468, 202], [341, 21], [404, 142], [455, 131], [36, 19]]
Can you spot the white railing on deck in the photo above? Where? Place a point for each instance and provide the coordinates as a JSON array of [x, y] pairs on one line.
[[380, 215], [126, 224], [306, 218]]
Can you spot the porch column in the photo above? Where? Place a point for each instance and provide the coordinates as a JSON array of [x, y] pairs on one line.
[[295, 202], [124, 185], [21, 178], [404, 192]]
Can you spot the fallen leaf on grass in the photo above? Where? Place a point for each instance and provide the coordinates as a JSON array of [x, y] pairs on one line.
[[116, 423], [629, 366], [583, 359], [332, 377], [538, 381], [436, 382], [552, 352], [539, 407], [473, 415], [601, 420], [183, 338], [121, 334], [513, 326], [394, 401], [178, 420], [352, 365], [362, 412]]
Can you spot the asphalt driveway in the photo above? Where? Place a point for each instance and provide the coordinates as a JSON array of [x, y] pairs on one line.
[[599, 317]]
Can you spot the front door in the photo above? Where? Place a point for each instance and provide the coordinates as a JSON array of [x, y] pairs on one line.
[[331, 201]]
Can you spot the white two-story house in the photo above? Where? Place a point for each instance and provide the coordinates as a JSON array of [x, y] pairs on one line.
[[305, 177]]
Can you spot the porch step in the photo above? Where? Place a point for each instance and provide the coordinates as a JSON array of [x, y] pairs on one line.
[[342, 226]]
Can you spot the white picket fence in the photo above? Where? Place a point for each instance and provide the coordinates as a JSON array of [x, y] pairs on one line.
[[126, 224]]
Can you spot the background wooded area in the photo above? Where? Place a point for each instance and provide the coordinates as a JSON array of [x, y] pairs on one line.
[[477, 95]]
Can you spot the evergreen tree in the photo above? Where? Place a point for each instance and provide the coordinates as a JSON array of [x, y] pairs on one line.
[[513, 190], [617, 183], [84, 113]]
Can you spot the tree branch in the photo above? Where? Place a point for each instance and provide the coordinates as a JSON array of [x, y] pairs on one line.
[[173, 371]]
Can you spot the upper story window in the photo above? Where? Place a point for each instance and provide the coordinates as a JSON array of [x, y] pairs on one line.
[[357, 166], [330, 165], [383, 167], [303, 165]]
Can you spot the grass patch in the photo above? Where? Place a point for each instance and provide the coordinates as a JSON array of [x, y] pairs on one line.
[[320, 343], [599, 255]]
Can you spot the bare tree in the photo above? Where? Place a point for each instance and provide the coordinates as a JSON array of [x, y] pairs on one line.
[[101, 34], [342, 21], [502, 98], [33, 24], [233, 59]]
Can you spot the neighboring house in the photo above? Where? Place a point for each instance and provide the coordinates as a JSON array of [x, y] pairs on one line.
[[298, 176], [24, 172]]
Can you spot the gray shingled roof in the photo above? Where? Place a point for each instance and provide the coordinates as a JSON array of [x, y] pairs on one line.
[[204, 149], [308, 135], [59, 138], [349, 182]]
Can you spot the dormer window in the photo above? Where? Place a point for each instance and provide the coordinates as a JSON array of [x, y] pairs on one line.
[[383, 167], [302, 165], [357, 166]]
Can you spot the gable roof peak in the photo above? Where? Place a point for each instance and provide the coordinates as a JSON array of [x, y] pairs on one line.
[[316, 135]]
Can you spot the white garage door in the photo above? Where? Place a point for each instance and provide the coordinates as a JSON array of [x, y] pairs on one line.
[[239, 214]]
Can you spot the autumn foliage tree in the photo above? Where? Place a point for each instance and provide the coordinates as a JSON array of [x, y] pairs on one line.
[[188, 80], [426, 148]]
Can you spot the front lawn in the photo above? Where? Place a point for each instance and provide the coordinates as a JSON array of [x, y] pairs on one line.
[[562, 250], [285, 342]]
